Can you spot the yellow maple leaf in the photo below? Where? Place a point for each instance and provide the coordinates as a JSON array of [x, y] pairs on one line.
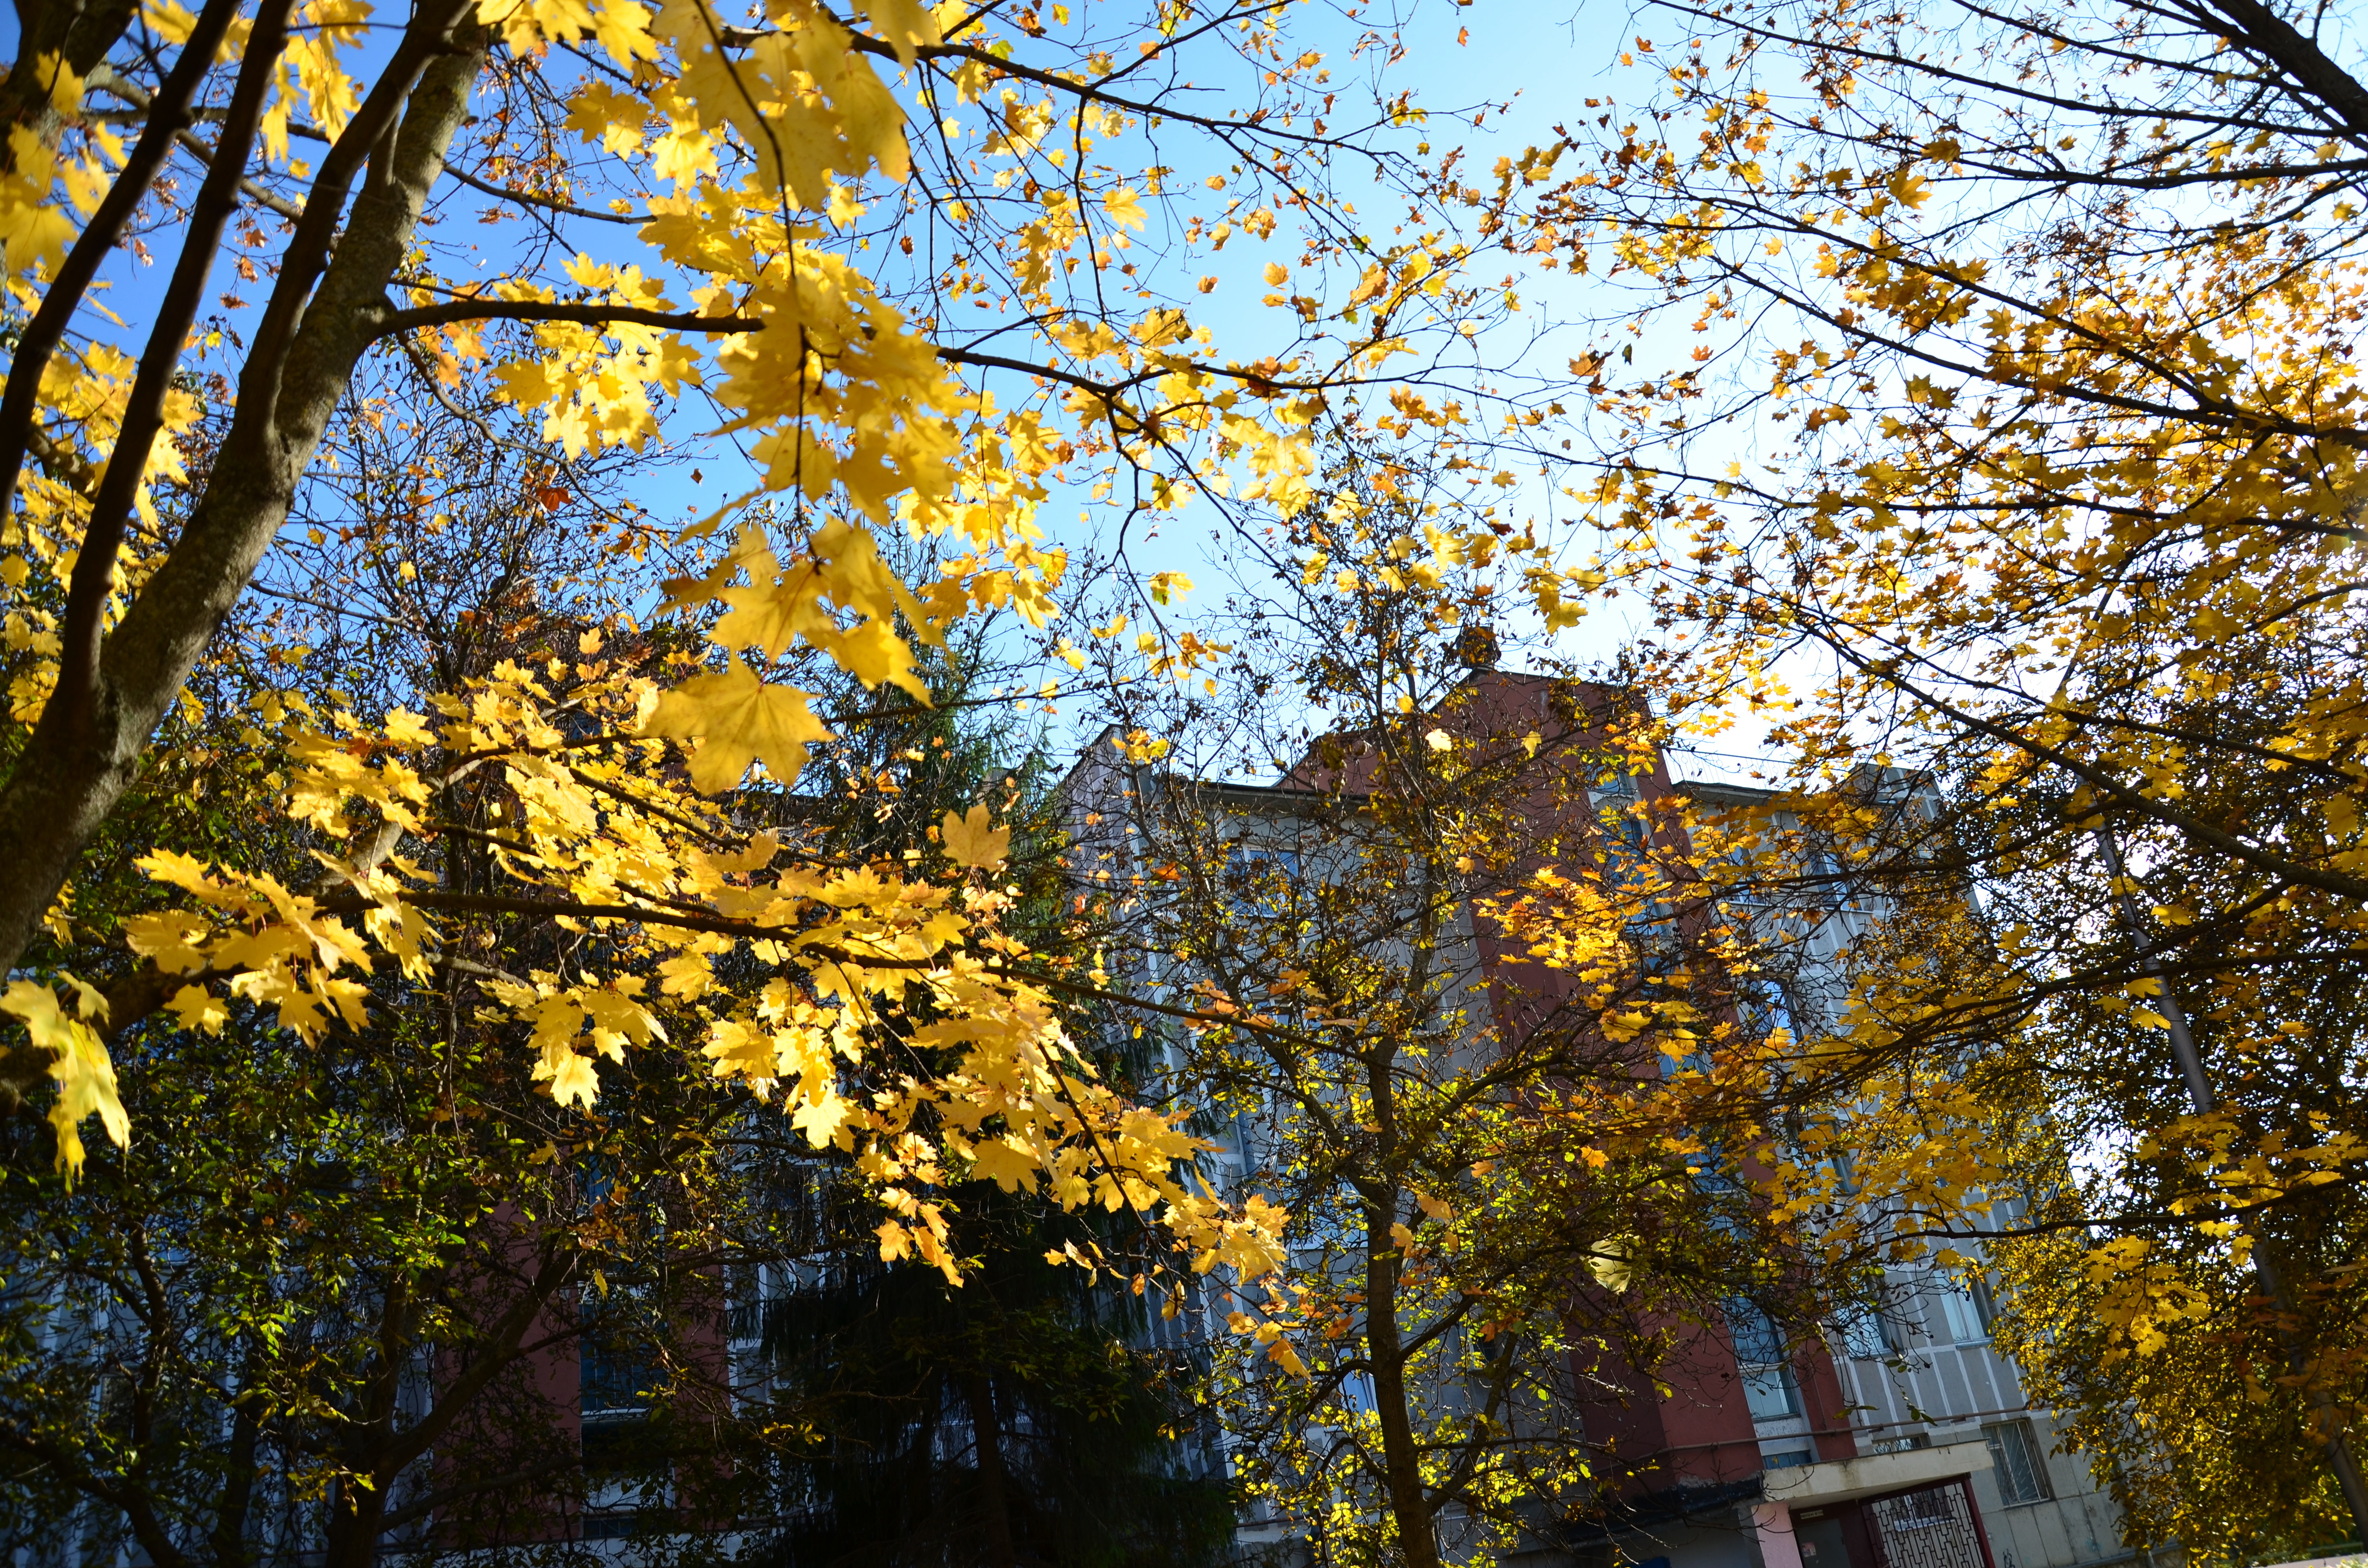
[[169, 939], [616, 119], [1125, 208], [1005, 1164], [904, 26], [405, 728], [973, 842], [739, 1050], [85, 1074], [571, 1077], [198, 1009], [170, 21], [737, 719]]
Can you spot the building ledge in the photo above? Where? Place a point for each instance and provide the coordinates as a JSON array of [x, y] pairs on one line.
[[1871, 1475]]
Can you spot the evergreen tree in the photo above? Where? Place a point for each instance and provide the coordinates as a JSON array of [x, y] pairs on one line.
[[1034, 1413]]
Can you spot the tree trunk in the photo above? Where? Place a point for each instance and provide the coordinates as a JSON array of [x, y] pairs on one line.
[[229, 1534], [1401, 1464], [2203, 1097], [77, 763], [994, 1484], [1401, 1461], [80, 34], [358, 1509]]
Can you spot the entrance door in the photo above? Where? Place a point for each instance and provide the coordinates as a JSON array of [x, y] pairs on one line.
[[1931, 1527], [1822, 1542]]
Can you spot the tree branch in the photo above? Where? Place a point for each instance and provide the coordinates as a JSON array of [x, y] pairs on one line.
[[70, 773], [143, 415], [414, 1512], [551, 203], [1090, 92], [169, 114], [588, 315]]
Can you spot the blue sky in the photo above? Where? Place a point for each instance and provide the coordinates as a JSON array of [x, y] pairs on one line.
[[1529, 66]]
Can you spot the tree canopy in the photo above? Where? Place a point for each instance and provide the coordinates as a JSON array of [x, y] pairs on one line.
[[757, 234], [492, 492], [2016, 450]]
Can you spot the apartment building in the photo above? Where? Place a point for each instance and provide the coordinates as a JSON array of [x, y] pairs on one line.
[[1897, 1439], [1919, 1377], [1900, 1440]]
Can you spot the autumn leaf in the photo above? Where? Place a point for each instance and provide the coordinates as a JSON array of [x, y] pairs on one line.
[[972, 842], [1125, 208], [906, 26], [79, 1064], [1004, 1163], [737, 719]]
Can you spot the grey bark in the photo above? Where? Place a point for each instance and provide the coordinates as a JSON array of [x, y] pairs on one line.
[[78, 32], [171, 110], [77, 763]]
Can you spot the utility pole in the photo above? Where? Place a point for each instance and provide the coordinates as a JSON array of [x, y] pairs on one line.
[[2339, 1457]]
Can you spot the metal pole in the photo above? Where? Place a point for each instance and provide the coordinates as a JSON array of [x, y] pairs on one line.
[[2340, 1458]]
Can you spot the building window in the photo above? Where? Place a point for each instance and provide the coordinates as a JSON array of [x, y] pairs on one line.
[[1826, 884], [1859, 1327], [1768, 1388], [615, 1384], [1757, 1340], [614, 1379], [2018, 1461], [1965, 1308], [1261, 882], [1770, 1393], [1767, 1007]]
